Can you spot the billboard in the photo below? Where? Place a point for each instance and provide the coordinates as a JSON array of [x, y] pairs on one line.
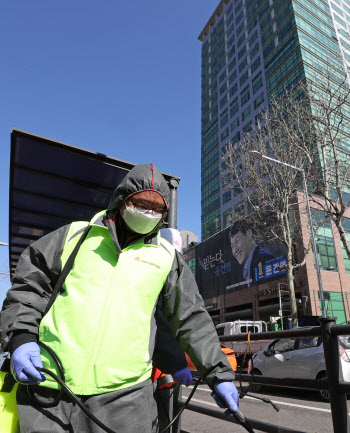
[[236, 258]]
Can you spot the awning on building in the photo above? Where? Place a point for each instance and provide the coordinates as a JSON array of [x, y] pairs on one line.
[[54, 183]]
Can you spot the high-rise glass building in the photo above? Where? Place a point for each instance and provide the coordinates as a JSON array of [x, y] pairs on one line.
[[252, 49]]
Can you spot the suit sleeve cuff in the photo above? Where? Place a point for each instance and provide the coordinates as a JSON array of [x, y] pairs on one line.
[[20, 339]]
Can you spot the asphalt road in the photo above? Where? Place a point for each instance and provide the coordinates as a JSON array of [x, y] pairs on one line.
[[299, 410]]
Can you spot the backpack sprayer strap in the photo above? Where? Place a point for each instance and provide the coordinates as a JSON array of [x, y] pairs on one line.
[[66, 269], [58, 286]]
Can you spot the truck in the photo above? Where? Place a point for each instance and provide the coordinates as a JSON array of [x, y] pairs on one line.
[[243, 327]]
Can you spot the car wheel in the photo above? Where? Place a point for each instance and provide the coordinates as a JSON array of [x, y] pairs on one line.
[[323, 393], [256, 387]]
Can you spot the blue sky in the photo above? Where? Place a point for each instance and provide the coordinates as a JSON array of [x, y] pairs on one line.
[[117, 77]]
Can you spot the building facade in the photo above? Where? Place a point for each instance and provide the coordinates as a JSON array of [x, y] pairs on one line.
[[252, 49], [226, 298]]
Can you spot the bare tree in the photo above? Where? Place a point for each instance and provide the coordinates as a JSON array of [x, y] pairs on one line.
[[329, 102], [283, 132]]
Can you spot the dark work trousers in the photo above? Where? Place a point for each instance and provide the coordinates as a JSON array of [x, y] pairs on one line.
[[131, 410]]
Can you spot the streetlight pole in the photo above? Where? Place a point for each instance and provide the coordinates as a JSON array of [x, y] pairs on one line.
[[259, 155]]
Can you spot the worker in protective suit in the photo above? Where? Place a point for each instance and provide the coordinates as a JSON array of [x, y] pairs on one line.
[[102, 324]]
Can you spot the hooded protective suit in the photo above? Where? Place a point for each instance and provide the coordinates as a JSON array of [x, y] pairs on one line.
[[102, 324]]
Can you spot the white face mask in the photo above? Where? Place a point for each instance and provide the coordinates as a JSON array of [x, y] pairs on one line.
[[138, 222]]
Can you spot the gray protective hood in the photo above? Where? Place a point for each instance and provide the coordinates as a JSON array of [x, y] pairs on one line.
[[142, 177]]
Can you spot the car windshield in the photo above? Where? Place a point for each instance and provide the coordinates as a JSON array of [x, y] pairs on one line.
[[284, 345]]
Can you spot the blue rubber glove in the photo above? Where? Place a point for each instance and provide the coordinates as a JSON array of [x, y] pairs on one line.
[[225, 395], [24, 363], [184, 377]]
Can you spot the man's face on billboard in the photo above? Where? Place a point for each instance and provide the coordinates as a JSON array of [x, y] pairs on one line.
[[241, 245]]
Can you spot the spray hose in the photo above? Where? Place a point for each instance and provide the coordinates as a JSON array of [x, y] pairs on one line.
[[241, 419]]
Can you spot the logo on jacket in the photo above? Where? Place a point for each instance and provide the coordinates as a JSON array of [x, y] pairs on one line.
[[137, 259]]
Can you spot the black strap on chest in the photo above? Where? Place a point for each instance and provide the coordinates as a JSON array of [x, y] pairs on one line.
[[66, 269]]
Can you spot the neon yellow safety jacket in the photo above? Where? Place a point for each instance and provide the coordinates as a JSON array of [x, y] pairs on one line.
[[102, 325]]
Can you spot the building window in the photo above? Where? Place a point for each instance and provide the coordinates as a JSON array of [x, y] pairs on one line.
[[226, 197], [245, 95], [242, 65], [235, 124], [223, 76], [243, 78], [239, 210], [233, 90], [246, 113], [239, 17], [231, 40], [232, 65], [210, 187], [224, 134], [248, 127], [223, 88], [192, 266], [334, 305], [211, 223], [237, 190], [257, 83], [229, 20], [253, 38], [254, 51], [234, 107], [340, 21], [227, 218], [259, 100], [240, 40], [223, 102], [236, 138], [231, 52], [259, 117], [210, 157], [255, 65], [242, 52], [240, 28], [211, 202], [224, 118], [346, 227], [325, 242], [232, 78], [230, 30]]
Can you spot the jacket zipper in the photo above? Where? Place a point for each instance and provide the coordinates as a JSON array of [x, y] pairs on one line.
[[97, 335]]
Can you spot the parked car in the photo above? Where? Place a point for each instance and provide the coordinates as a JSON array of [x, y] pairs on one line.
[[231, 356], [299, 358]]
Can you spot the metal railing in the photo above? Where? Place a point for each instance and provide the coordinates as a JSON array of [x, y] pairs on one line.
[[329, 332]]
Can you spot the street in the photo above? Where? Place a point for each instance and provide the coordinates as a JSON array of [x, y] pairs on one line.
[[299, 409]]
